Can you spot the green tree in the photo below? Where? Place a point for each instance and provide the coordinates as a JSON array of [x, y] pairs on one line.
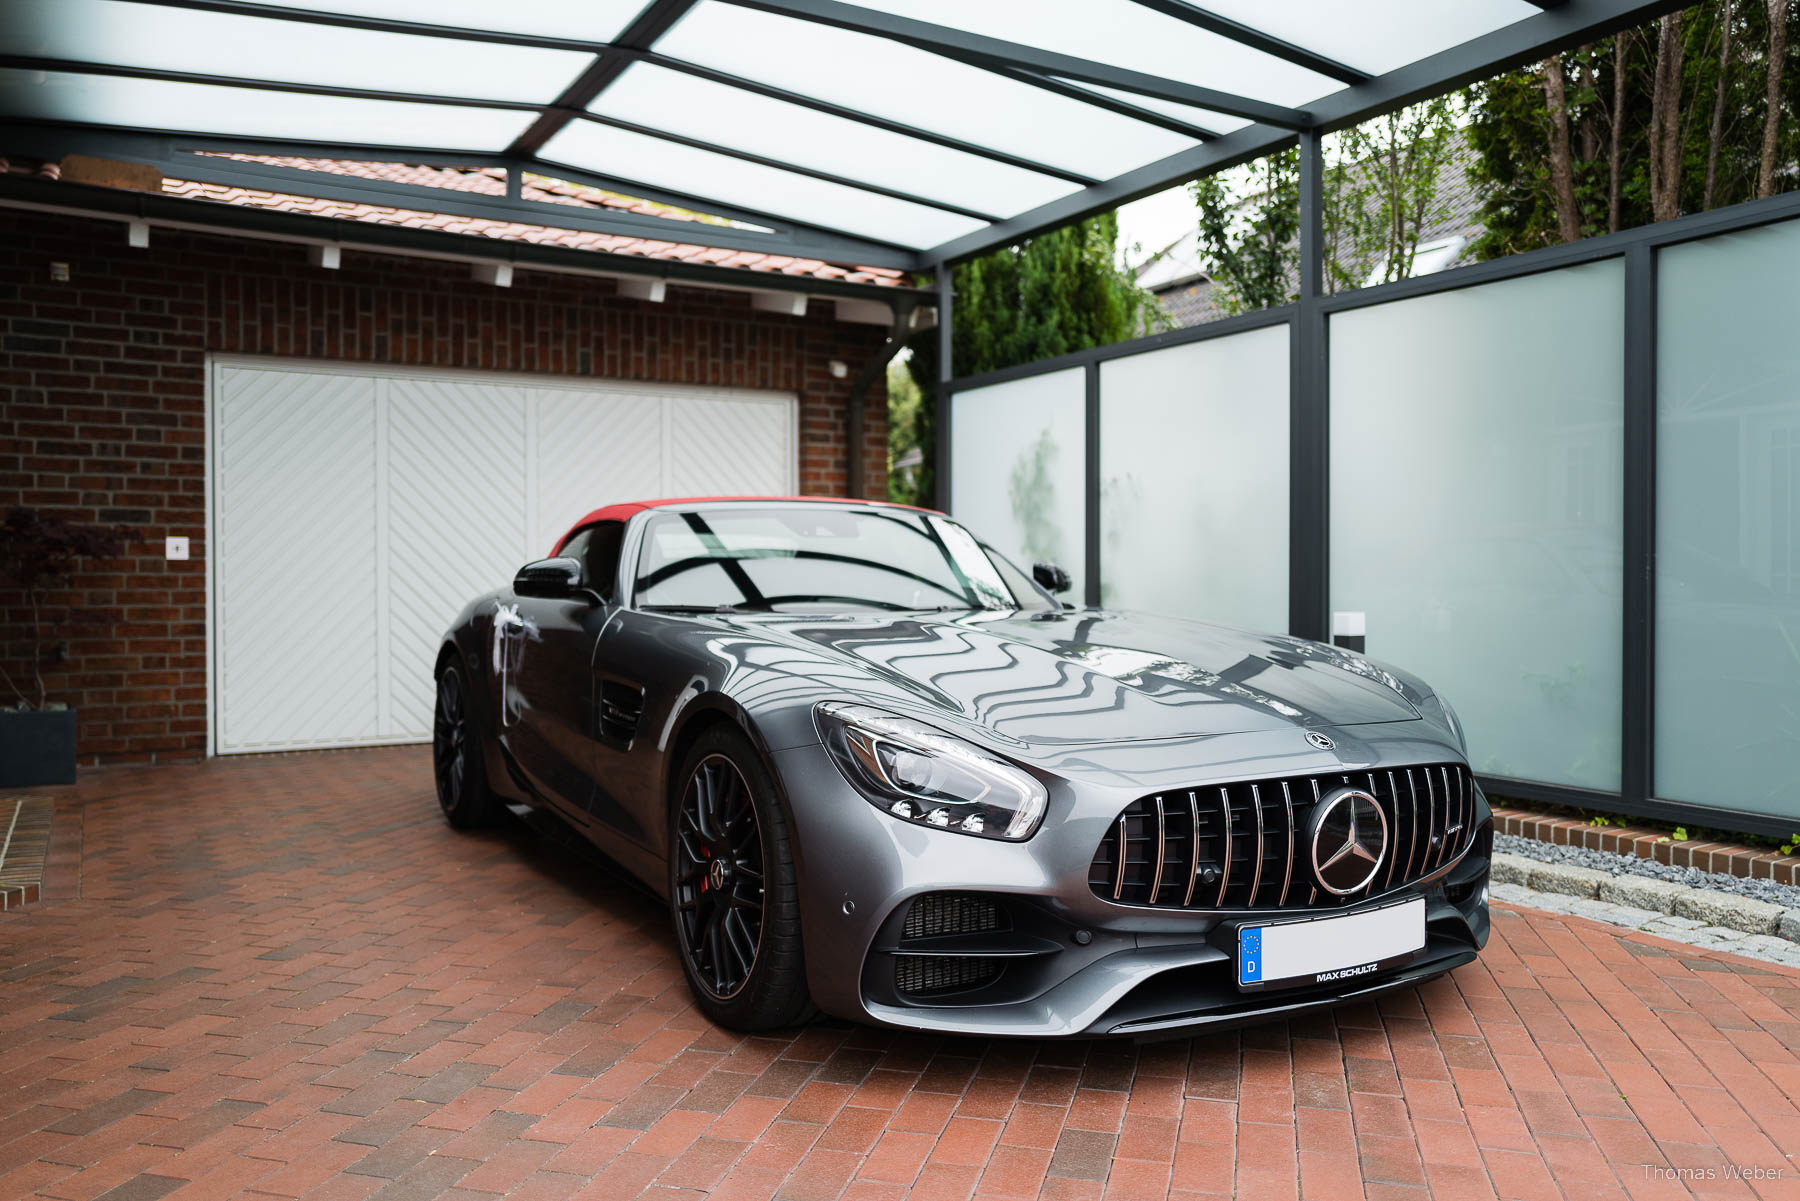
[[1383, 192], [1382, 183], [1056, 293], [903, 430], [1692, 111], [1249, 226]]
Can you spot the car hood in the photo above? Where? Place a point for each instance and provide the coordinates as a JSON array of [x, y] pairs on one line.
[[1082, 677]]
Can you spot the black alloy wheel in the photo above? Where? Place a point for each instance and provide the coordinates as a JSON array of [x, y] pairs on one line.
[[720, 889], [462, 789]]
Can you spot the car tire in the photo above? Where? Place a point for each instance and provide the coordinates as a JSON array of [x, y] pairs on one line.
[[729, 842], [456, 760]]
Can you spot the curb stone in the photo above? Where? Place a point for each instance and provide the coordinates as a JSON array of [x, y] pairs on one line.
[[1510, 869], [1663, 906], [1733, 912], [1565, 879], [1687, 931], [1641, 892]]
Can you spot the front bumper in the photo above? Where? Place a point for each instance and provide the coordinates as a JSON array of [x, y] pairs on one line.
[[1075, 965]]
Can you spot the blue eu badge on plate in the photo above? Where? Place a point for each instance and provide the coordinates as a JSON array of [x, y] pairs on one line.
[[1250, 956]]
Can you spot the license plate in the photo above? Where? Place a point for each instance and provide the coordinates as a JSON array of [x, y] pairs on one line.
[[1321, 950]]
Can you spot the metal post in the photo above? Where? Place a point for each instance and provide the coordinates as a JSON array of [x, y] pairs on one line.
[[1637, 676], [946, 372], [1091, 547], [856, 484], [1309, 414]]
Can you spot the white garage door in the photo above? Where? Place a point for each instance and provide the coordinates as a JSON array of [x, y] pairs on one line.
[[355, 512]]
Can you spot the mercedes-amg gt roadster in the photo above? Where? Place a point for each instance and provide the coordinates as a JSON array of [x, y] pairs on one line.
[[878, 770]]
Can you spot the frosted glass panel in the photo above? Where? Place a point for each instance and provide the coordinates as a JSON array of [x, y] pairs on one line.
[[635, 158], [1476, 471], [210, 43], [1018, 469], [1728, 522], [728, 116], [1375, 37], [877, 76], [1128, 34], [1194, 480], [587, 20], [252, 112], [1203, 118]]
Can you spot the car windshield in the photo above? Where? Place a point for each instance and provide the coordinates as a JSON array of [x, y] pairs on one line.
[[822, 558]]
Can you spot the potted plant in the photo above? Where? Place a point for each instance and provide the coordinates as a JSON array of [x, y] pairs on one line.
[[38, 555]]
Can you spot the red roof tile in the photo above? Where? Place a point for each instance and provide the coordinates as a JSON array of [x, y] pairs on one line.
[[685, 243]]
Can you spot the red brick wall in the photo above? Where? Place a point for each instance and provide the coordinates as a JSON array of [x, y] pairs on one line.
[[102, 408]]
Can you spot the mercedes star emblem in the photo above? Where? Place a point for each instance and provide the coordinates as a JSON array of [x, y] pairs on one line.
[[1349, 841], [1320, 741]]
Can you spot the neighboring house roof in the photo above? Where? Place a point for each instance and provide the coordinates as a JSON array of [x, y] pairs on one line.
[[1190, 298], [685, 243]]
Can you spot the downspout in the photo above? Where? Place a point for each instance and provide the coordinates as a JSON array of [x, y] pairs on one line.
[[859, 388]]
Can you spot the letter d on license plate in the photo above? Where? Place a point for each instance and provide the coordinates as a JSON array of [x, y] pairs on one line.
[[1335, 947]]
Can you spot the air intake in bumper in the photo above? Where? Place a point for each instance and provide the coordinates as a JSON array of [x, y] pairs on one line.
[[1244, 845]]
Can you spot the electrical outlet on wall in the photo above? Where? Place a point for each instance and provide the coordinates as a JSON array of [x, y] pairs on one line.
[[175, 548]]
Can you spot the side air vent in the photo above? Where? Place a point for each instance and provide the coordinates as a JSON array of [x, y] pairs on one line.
[[939, 913], [932, 976], [621, 709], [946, 933]]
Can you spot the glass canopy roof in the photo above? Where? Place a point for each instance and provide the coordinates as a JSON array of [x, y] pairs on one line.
[[910, 129]]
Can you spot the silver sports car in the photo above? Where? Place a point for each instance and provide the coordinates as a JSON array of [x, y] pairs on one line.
[[878, 770]]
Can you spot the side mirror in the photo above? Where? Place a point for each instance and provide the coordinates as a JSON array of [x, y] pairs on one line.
[[550, 578], [1050, 577]]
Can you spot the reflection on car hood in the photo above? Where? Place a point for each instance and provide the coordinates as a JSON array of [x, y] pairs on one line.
[[1089, 677]]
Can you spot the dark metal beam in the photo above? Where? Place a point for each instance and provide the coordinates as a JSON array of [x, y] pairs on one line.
[[869, 119], [227, 219], [793, 168], [993, 52], [1256, 39], [1637, 679], [704, 204], [856, 485], [167, 152], [389, 25], [1091, 543], [946, 341], [1111, 104], [654, 21], [1569, 24], [560, 116], [1227, 150], [1309, 415]]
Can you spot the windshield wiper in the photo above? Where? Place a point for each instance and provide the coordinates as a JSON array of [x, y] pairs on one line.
[[703, 608], [862, 602]]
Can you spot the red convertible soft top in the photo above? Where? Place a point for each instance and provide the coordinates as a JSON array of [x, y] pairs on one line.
[[625, 509]]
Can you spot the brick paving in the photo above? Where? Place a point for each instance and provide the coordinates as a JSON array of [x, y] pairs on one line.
[[284, 977]]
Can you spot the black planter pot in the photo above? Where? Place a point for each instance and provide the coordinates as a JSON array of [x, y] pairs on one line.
[[37, 748]]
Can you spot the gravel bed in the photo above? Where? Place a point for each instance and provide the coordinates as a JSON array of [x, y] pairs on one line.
[[1607, 861]]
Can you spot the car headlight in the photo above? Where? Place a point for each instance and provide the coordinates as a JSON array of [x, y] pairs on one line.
[[928, 777]]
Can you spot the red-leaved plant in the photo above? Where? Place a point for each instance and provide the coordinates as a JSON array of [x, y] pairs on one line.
[[39, 554]]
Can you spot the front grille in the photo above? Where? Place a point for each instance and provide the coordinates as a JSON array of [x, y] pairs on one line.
[[937, 914], [1242, 846], [933, 975]]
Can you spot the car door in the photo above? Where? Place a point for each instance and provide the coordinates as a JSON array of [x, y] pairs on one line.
[[543, 649], [615, 765]]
